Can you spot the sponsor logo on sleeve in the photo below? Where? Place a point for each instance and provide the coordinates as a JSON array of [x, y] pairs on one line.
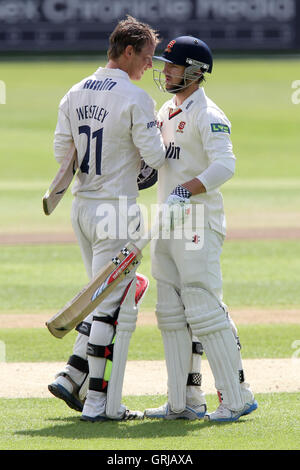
[[151, 124], [216, 127]]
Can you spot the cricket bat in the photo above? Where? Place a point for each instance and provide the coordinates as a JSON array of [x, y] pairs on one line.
[[61, 181], [99, 287]]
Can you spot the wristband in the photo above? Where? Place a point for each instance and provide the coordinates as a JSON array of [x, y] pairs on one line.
[[181, 192]]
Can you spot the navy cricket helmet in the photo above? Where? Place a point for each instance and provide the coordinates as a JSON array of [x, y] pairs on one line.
[[192, 53]]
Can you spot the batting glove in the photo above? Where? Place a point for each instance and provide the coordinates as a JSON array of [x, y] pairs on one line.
[[178, 202]]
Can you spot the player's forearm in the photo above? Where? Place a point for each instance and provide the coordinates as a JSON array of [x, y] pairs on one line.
[[216, 175], [194, 186], [211, 178], [62, 137], [61, 146]]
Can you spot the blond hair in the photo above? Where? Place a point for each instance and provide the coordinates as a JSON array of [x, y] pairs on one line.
[[130, 32]]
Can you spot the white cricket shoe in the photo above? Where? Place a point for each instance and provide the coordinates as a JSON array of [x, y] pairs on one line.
[[190, 412], [129, 415], [223, 414], [66, 389], [94, 410]]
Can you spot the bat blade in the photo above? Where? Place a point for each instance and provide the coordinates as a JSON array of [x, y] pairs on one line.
[[94, 292], [61, 182]]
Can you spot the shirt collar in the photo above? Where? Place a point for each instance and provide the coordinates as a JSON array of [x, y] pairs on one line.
[[112, 72], [189, 102]]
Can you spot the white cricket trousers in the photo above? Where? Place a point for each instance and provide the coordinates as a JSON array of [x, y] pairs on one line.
[[91, 217], [193, 261], [101, 231]]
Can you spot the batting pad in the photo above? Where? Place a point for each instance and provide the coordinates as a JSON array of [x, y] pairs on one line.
[[126, 325], [223, 357], [177, 343], [169, 309], [142, 284], [178, 348], [209, 322], [203, 311]]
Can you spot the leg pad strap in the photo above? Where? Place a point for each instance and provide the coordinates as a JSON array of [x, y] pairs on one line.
[[98, 385], [84, 328], [110, 320], [194, 378], [197, 348], [96, 350], [79, 363]]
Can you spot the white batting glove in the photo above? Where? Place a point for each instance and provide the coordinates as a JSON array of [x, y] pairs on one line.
[[178, 202]]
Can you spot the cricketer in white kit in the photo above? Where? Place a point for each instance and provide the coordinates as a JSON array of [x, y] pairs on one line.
[[113, 125], [190, 310]]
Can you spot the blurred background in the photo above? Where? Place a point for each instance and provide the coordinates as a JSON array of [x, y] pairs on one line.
[[84, 25], [48, 45]]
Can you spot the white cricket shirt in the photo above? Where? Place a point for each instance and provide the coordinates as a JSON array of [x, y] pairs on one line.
[[113, 125], [196, 135]]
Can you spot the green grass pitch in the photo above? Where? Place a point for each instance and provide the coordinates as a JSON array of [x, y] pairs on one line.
[[256, 95], [48, 424]]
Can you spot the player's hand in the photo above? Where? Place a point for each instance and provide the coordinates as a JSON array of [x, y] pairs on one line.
[[178, 203]]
